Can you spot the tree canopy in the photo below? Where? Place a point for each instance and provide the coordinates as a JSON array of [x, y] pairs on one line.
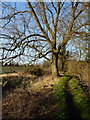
[[42, 29]]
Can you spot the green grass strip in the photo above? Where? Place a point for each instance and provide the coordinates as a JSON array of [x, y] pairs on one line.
[[81, 100], [59, 91]]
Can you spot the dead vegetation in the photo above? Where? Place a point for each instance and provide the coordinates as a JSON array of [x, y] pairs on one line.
[[27, 96], [32, 98]]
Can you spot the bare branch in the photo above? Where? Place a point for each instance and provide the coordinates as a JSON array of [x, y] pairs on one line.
[[84, 24], [45, 18], [37, 20], [51, 14], [54, 7]]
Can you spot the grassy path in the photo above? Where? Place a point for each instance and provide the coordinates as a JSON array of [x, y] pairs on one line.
[[74, 114], [73, 101], [81, 98], [62, 98]]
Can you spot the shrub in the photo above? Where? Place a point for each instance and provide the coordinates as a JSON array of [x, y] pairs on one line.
[[37, 71]]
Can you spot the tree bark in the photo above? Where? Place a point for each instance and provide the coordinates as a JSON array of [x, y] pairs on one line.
[[62, 62], [63, 58], [55, 70]]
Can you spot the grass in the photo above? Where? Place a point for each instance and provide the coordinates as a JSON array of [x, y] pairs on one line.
[[59, 91], [10, 69], [80, 98], [34, 70]]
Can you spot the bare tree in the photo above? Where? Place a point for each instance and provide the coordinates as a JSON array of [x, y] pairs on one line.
[[42, 29]]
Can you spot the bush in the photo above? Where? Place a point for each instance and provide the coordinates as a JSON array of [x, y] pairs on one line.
[[35, 70]]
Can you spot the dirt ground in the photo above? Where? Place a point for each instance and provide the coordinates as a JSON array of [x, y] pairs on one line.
[[35, 101]]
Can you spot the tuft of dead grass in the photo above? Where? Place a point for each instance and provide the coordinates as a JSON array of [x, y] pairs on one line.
[[44, 82]]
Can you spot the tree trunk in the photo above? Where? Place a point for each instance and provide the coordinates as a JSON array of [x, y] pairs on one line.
[[62, 58], [62, 69], [62, 62], [55, 70]]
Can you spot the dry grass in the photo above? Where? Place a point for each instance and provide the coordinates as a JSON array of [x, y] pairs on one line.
[[37, 83], [19, 104], [44, 82]]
